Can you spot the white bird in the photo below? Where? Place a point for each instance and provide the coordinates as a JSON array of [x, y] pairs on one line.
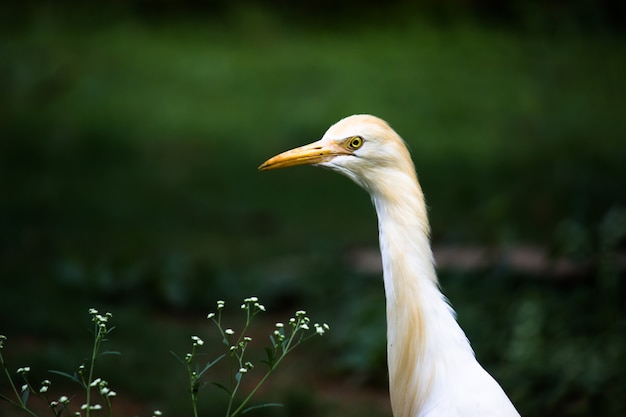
[[432, 368]]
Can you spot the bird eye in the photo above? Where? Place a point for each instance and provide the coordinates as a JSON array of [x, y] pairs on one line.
[[355, 142]]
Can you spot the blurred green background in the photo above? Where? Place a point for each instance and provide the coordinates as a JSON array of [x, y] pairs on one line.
[[130, 133]]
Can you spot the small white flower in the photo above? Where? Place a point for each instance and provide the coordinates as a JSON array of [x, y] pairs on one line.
[[101, 318], [247, 339], [43, 389], [104, 391], [300, 313], [197, 341], [111, 394], [259, 306], [243, 306], [96, 407], [95, 382], [233, 348], [24, 387], [304, 326], [319, 330], [279, 325], [229, 331], [157, 413], [220, 304], [63, 399], [326, 326], [83, 407], [23, 370], [53, 404], [210, 315], [93, 311], [242, 370], [254, 299]]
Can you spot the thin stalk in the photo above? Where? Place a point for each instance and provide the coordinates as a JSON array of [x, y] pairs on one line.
[[193, 380], [94, 355], [19, 402], [286, 349]]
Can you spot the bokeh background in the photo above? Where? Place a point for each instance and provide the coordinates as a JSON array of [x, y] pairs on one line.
[[130, 133]]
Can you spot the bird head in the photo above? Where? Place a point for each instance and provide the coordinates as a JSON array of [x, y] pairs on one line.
[[362, 147]]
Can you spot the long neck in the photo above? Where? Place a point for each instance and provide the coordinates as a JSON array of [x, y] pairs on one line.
[[419, 320]]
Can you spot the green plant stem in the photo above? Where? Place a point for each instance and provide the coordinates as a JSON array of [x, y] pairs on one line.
[[94, 354], [194, 392], [254, 390], [286, 349], [241, 365], [193, 380], [19, 402]]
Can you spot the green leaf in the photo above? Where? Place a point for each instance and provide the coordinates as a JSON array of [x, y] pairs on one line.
[[270, 356], [254, 407], [73, 377], [178, 357], [226, 390], [110, 352], [25, 395], [210, 364]]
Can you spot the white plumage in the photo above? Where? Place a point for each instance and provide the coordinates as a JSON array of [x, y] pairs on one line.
[[432, 368]]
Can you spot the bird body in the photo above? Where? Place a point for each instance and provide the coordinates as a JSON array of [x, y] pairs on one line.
[[432, 368]]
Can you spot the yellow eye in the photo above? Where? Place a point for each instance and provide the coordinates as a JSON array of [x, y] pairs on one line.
[[355, 142]]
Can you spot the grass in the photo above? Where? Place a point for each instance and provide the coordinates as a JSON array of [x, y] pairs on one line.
[[128, 168]]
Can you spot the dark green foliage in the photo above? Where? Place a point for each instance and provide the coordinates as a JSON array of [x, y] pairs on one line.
[[128, 155]]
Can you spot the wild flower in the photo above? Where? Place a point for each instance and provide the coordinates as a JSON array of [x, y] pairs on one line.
[[44, 389], [236, 345], [283, 340]]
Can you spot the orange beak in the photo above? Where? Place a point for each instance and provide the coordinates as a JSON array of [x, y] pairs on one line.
[[311, 154]]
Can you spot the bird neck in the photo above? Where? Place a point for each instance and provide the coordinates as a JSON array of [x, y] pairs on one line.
[[419, 320]]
